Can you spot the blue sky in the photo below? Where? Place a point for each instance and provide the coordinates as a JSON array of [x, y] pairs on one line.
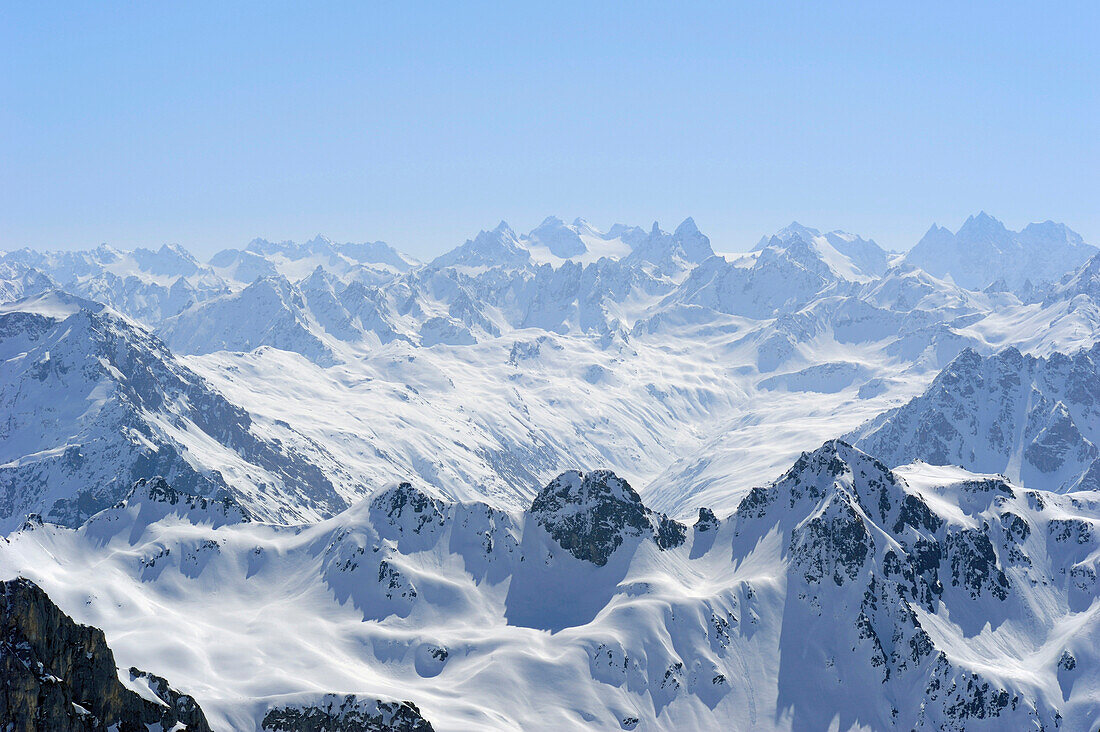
[[208, 124]]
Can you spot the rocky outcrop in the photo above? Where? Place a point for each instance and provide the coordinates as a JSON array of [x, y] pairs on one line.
[[187, 710], [589, 515], [335, 713], [1035, 419], [60, 458], [155, 492], [868, 549], [59, 676]]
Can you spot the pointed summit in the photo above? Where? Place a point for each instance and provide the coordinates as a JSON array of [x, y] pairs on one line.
[[795, 230], [983, 227], [487, 249], [983, 251], [562, 241], [692, 242]]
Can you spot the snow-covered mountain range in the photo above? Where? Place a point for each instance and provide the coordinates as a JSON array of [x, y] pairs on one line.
[[558, 450], [951, 601], [984, 253]]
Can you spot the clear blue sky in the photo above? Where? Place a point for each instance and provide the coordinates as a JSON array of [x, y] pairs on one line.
[[208, 124]]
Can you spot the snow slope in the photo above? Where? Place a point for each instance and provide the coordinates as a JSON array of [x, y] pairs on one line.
[[517, 356], [91, 402], [842, 595]]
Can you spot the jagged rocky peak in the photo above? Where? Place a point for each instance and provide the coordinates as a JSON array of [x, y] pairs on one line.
[[487, 249], [18, 280], [684, 247], [849, 507], [865, 545], [406, 507], [582, 226], [347, 713], [60, 676], [965, 418], [793, 230], [694, 244], [864, 256], [562, 240], [982, 227], [156, 495], [983, 251], [170, 259], [707, 521], [590, 514], [1083, 281], [834, 467]]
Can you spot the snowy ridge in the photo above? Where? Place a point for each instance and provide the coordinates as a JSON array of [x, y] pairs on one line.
[[952, 601], [1036, 420], [93, 402], [694, 376], [983, 252]]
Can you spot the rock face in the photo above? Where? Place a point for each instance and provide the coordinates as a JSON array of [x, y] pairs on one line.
[[1037, 420], [590, 514], [58, 676], [873, 560], [154, 498], [347, 714], [92, 402], [912, 598], [269, 312]]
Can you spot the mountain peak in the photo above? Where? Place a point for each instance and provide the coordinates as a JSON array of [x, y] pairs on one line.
[[176, 249], [53, 304], [590, 514], [402, 505], [320, 240], [562, 241], [156, 497], [981, 225], [487, 249], [687, 226], [983, 251], [795, 229]]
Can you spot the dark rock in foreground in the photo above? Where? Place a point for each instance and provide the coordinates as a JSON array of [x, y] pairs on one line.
[[59, 676]]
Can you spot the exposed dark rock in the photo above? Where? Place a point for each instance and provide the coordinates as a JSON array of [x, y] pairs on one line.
[[405, 506], [974, 564], [834, 544], [335, 713], [157, 490], [590, 514], [707, 521], [59, 676], [90, 350], [186, 708]]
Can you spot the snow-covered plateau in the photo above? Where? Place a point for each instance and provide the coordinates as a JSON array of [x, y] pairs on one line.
[[567, 479]]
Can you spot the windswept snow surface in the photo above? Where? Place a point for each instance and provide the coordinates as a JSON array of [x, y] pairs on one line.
[[842, 594], [515, 357], [389, 478]]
